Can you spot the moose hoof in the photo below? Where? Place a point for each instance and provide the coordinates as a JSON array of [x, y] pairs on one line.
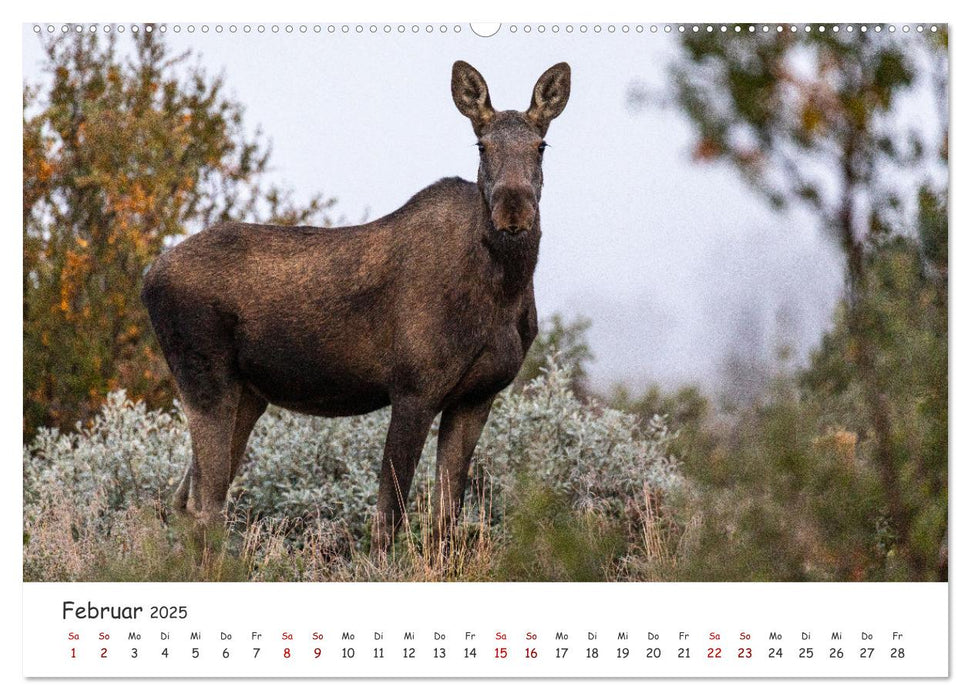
[[180, 499], [206, 518], [381, 538], [442, 543]]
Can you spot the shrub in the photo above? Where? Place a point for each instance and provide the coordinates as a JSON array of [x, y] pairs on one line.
[[311, 480], [549, 540]]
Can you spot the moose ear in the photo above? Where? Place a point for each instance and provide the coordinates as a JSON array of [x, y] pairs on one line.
[[549, 96], [471, 95]]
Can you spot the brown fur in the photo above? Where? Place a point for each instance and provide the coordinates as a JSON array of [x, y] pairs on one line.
[[429, 309]]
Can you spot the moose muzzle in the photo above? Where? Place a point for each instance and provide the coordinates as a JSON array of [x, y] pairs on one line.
[[513, 209]]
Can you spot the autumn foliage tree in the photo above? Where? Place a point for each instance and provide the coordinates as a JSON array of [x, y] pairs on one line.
[[125, 151]]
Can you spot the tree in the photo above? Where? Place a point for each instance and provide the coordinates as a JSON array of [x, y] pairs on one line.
[[686, 407], [814, 119], [906, 308], [122, 155]]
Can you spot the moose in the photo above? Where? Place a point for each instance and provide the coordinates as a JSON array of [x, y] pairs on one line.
[[429, 309]]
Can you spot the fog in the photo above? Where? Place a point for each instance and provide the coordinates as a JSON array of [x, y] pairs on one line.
[[678, 265]]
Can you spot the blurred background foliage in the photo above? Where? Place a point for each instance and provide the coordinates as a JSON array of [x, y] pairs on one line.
[[833, 470], [838, 471]]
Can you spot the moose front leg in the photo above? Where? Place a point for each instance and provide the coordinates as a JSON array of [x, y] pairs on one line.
[[410, 420], [458, 434]]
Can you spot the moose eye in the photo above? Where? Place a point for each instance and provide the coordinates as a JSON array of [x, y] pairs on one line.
[[481, 147], [542, 146]]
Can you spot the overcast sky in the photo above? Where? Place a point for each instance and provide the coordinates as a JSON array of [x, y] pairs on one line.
[[668, 258]]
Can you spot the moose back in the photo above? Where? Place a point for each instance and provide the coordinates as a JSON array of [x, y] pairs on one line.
[[429, 309]]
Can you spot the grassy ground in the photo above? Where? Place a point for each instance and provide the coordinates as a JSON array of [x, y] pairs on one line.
[[543, 539]]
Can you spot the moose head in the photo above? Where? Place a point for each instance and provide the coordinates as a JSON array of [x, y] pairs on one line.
[[511, 143]]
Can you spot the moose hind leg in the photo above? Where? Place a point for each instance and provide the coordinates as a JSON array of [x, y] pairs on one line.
[[212, 429], [250, 408], [458, 435], [180, 500]]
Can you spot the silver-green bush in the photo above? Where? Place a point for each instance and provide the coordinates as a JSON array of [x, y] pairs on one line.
[[308, 469]]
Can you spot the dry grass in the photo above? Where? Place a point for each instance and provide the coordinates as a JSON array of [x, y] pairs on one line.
[[543, 542]]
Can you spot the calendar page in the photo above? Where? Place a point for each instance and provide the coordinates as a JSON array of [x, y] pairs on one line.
[[312, 389]]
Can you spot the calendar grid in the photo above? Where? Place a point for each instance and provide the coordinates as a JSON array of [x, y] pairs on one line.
[[486, 630]]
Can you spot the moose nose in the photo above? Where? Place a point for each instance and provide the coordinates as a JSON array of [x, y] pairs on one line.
[[513, 210]]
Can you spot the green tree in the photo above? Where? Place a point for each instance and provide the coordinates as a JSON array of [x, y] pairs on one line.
[[686, 407], [122, 155], [906, 308], [813, 119]]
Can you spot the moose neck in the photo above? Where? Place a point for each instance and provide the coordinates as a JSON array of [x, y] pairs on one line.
[[515, 255]]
